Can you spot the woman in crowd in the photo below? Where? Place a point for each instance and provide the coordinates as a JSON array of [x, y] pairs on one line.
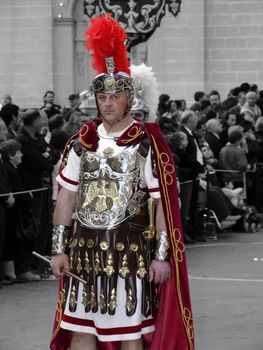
[[17, 247]]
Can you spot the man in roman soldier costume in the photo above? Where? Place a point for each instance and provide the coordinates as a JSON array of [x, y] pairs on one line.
[[115, 171]]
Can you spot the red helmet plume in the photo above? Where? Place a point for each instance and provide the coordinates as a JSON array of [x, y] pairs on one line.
[[106, 39]]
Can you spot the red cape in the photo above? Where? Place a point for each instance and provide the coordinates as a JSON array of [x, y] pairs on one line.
[[174, 322]]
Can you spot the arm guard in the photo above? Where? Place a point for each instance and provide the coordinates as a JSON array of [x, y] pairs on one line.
[[162, 246], [60, 239]]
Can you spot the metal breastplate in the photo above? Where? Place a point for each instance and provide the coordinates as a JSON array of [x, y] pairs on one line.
[[109, 188]]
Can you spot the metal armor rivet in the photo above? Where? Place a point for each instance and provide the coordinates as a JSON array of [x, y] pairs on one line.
[[119, 246], [81, 242], [104, 245], [134, 247], [90, 243]]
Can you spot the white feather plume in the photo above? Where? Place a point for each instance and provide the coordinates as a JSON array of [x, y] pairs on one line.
[[146, 86]]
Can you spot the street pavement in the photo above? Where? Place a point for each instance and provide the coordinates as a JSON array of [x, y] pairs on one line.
[[226, 282]]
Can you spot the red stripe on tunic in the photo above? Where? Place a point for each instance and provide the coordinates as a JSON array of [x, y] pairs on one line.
[[112, 331], [64, 178], [156, 189]]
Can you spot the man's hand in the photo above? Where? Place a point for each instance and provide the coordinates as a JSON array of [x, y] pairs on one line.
[[58, 263], [159, 271]]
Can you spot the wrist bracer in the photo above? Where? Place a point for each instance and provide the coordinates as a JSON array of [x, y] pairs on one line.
[[162, 246], [60, 239]]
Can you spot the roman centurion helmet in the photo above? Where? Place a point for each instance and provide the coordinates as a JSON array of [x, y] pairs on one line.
[[106, 43]]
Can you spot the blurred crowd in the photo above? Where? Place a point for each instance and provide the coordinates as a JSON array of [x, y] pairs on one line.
[[218, 151], [217, 148]]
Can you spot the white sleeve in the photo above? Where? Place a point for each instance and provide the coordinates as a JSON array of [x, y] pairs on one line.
[[152, 182], [69, 177]]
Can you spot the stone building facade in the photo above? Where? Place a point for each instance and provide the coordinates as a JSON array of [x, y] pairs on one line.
[[211, 44]]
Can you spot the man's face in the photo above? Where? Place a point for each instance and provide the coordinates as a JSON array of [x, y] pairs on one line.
[[73, 102], [242, 99], [201, 131], [218, 127], [112, 106], [6, 100], [17, 158], [232, 120], [50, 98], [251, 99], [215, 100]]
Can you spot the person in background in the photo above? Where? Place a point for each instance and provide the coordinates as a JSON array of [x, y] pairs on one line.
[[250, 109], [229, 119], [49, 107], [194, 158], [197, 107], [216, 104], [10, 115], [6, 99], [231, 99], [213, 131], [163, 105], [183, 105], [233, 157], [72, 107], [6, 201], [18, 247], [35, 168]]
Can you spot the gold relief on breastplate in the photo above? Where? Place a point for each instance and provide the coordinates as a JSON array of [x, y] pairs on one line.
[[108, 152], [101, 196], [90, 162]]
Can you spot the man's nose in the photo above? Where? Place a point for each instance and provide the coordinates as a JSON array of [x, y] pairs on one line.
[[108, 100]]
